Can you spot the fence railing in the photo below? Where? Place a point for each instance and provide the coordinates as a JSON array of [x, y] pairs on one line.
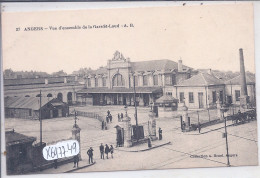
[[91, 115]]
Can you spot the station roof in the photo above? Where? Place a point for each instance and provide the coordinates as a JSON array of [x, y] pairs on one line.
[[121, 90], [29, 102], [201, 79]]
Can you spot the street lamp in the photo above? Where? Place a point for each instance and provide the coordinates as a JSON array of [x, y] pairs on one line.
[[126, 110], [224, 109]]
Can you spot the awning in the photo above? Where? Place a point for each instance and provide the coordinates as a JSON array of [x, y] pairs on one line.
[[121, 90], [166, 99]]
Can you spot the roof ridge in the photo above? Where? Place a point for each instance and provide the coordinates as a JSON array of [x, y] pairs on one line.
[[204, 78]]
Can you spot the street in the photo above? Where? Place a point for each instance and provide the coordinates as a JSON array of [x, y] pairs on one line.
[[187, 150]]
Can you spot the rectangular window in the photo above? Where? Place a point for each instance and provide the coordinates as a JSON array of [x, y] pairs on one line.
[[191, 99], [155, 80], [237, 95], [173, 79], [169, 93], [145, 80], [221, 96], [214, 96], [181, 97], [168, 80], [30, 112], [89, 82]]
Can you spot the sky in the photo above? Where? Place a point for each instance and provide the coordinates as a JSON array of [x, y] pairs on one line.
[[202, 36]]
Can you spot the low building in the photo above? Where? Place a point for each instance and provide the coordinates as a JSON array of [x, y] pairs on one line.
[[200, 91], [233, 90], [64, 88], [29, 107], [19, 149]]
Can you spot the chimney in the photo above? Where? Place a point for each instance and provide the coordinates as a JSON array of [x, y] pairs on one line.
[[180, 66], [243, 96], [65, 79], [46, 81]]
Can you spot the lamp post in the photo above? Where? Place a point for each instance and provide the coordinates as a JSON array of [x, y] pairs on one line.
[[125, 110], [223, 110]]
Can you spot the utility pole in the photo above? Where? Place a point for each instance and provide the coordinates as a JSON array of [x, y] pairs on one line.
[[40, 117], [135, 103], [226, 139]]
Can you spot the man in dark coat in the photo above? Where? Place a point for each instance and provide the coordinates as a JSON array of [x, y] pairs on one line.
[[76, 161], [160, 133], [110, 117], [108, 112], [107, 150], [101, 148], [103, 125], [107, 119], [90, 155]]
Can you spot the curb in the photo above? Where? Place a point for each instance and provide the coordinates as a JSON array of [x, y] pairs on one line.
[[210, 130], [72, 170], [156, 146]]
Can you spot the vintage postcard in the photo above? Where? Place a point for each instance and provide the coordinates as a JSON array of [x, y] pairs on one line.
[[129, 89]]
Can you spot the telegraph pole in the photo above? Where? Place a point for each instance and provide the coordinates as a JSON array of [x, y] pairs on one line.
[[135, 103], [228, 163], [40, 117]]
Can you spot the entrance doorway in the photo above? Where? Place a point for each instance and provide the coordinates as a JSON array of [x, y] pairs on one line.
[[200, 96], [124, 100]]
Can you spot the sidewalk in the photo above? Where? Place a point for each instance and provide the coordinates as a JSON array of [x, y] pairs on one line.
[[66, 168], [143, 147]]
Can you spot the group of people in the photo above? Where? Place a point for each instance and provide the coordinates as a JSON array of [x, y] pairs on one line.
[[103, 150], [106, 149], [108, 119]]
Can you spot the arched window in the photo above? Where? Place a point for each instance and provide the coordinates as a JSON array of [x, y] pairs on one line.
[[69, 98], [118, 80], [104, 82], [60, 96], [155, 80]]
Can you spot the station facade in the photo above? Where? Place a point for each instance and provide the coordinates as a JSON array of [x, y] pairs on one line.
[[114, 84]]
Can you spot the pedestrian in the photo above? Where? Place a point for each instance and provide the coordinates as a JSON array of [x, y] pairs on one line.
[[119, 119], [160, 133], [108, 112], [107, 119], [90, 155], [149, 143], [199, 127], [122, 115], [103, 125], [107, 150], [183, 125], [55, 164], [76, 161], [101, 148], [111, 150], [110, 118]]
